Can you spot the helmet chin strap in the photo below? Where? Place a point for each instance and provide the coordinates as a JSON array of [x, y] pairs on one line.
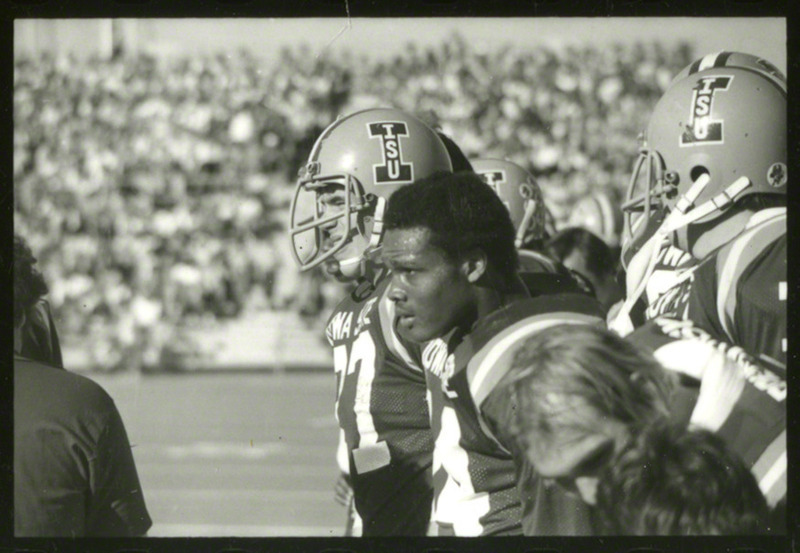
[[639, 271], [683, 215], [530, 209], [373, 249]]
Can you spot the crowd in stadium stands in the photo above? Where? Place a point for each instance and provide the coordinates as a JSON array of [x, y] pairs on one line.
[[154, 190]]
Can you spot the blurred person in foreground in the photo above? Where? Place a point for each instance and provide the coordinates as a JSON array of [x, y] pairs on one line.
[[583, 252], [39, 335], [673, 481], [581, 392], [449, 245], [520, 193], [337, 222], [74, 473]]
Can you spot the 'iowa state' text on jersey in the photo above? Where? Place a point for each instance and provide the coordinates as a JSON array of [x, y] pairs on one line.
[[740, 399]]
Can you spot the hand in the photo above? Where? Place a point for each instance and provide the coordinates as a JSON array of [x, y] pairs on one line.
[[343, 490]]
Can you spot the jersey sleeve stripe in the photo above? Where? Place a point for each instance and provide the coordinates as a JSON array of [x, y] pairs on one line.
[[744, 249], [773, 484], [386, 313], [769, 458], [485, 370]]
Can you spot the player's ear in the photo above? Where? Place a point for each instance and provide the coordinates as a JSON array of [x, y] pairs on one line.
[[474, 265]]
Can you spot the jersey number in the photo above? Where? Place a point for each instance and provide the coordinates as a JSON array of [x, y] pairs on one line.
[[370, 454]]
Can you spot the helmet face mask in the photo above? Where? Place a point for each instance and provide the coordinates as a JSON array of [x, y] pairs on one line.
[[313, 218], [717, 135], [354, 166]]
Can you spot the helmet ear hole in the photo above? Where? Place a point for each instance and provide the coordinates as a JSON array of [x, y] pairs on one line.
[[698, 171]]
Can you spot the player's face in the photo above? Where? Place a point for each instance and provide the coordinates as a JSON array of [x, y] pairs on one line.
[[432, 295], [571, 455], [331, 200]]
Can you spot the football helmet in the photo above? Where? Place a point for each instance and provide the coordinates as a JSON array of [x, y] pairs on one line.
[[366, 155], [717, 134], [599, 214], [520, 193]]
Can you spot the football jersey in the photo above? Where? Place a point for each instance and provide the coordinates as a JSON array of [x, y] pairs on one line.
[[543, 275], [740, 399], [739, 293], [667, 290], [477, 475], [382, 410]]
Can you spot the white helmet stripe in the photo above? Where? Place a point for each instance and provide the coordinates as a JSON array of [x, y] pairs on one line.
[[708, 61]]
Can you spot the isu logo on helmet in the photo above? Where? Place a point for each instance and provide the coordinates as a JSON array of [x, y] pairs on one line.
[[702, 128], [493, 178], [392, 170]]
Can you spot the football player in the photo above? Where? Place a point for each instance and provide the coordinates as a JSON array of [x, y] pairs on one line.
[[718, 174], [450, 246], [729, 392], [599, 214], [337, 221], [521, 195]]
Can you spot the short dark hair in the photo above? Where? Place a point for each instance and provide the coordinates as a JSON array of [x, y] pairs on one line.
[[597, 254], [462, 213], [29, 284], [670, 480]]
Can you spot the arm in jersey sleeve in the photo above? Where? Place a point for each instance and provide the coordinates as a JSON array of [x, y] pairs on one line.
[[116, 506], [498, 415]]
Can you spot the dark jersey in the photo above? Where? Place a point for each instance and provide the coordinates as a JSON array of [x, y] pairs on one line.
[[543, 275], [739, 293], [74, 474], [477, 472], [531, 261], [734, 395], [382, 410], [39, 336]]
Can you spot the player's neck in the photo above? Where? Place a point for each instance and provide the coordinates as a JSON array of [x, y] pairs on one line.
[[492, 298]]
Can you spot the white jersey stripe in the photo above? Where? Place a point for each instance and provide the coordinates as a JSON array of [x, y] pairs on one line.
[[740, 255], [489, 372], [769, 456], [775, 477]]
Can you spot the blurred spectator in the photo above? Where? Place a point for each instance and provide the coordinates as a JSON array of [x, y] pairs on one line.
[[74, 473], [584, 253], [125, 168], [670, 481]]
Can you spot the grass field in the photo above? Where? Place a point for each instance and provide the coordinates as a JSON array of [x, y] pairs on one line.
[[233, 454]]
